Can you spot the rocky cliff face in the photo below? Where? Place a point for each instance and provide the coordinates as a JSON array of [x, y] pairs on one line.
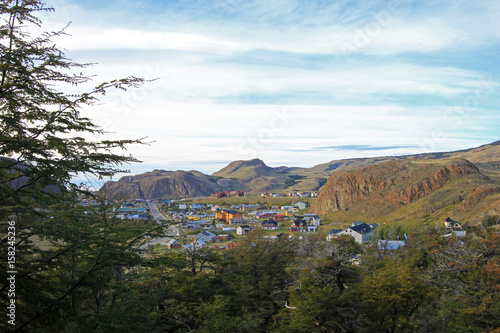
[[380, 188], [160, 184]]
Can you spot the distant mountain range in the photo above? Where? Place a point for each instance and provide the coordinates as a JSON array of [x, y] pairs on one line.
[[422, 188], [254, 176]]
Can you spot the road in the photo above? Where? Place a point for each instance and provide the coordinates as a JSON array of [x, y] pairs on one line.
[[155, 212], [170, 230]]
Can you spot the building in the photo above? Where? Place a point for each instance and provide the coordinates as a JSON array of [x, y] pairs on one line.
[[223, 238], [361, 232], [299, 224], [390, 244], [312, 219], [196, 206], [243, 230], [173, 244], [312, 228], [228, 216], [456, 233], [270, 224], [236, 220], [279, 217], [332, 234], [228, 194], [206, 237], [451, 224], [300, 205], [196, 245], [249, 207]]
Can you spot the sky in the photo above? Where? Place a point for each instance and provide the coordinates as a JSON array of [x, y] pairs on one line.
[[294, 83]]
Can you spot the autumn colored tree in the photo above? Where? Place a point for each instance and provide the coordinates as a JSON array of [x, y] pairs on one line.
[[390, 296], [466, 273]]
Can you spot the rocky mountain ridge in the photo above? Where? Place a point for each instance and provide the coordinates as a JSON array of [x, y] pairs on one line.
[[410, 190], [161, 184], [254, 176]]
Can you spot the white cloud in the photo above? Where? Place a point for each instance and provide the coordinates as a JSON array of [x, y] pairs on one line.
[[370, 75], [381, 30], [183, 80]]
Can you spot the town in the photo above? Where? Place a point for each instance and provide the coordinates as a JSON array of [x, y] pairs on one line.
[[188, 224]]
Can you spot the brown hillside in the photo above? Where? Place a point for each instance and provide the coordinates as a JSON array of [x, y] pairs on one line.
[[160, 184], [382, 188]]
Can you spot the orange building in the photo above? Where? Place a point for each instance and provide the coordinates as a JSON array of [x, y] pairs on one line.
[[228, 215]]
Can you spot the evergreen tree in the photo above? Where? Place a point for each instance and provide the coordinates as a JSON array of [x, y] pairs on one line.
[[74, 265], [41, 139]]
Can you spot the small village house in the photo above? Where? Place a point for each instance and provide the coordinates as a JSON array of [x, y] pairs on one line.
[[243, 230], [269, 224], [361, 232], [206, 237]]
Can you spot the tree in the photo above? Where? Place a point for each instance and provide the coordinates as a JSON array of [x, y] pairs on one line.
[[466, 273], [259, 279], [321, 298], [41, 138], [391, 294], [77, 268], [74, 264]]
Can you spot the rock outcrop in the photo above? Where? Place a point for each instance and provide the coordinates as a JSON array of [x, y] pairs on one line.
[[380, 188], [161, 184]]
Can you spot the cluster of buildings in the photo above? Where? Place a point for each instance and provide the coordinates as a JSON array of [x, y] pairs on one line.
[[290, 194], [218, 225], [136, 209], [223, 194]]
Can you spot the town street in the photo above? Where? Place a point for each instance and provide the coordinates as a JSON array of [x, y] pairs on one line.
[[170, 230]]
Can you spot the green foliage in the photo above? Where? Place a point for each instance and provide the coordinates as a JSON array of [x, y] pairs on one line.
[[391, 295], [293, 179], [491, 221], [393, 231], [41, 142], [74, 265]]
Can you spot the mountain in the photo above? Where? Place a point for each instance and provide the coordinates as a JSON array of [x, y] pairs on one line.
[[413, 189], [254, 176], [485, 157], [161, 184]]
